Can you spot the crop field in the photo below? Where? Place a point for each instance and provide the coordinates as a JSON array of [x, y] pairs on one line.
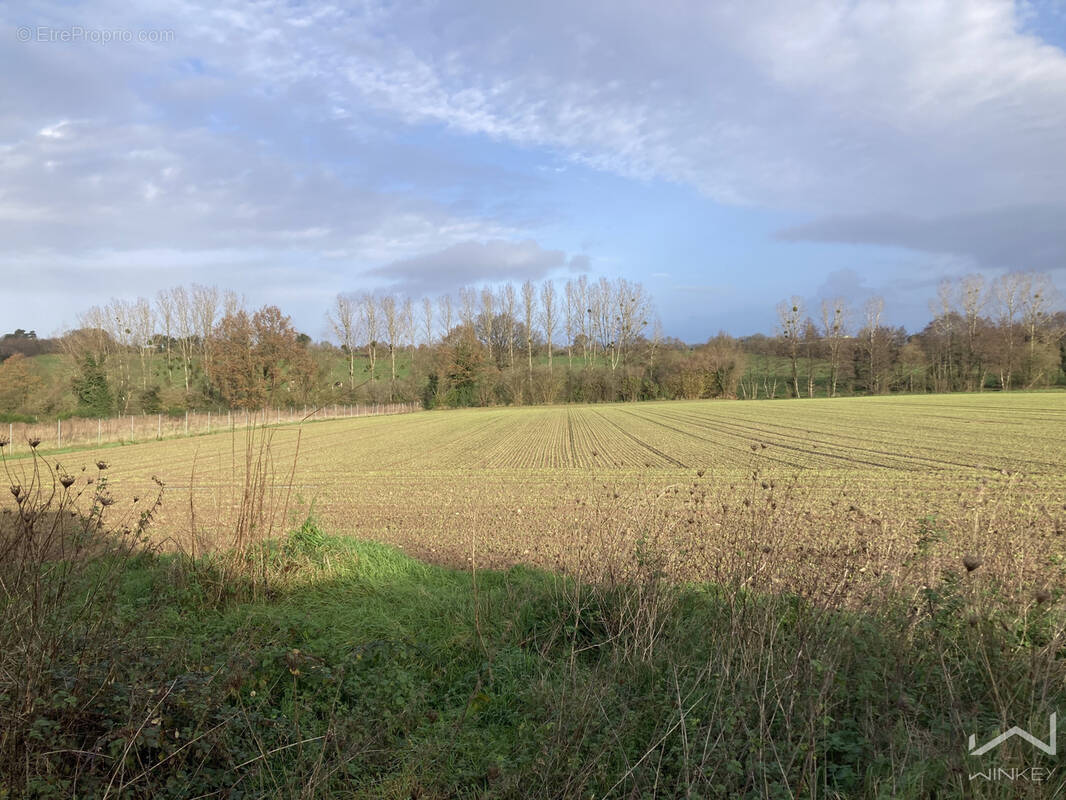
[[772, 598], [850, 487]]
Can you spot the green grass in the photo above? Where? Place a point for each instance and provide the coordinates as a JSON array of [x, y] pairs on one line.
[[338, 367], [365, 673], [52, 366]]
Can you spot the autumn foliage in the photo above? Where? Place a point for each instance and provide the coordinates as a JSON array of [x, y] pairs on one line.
[[256, 360]]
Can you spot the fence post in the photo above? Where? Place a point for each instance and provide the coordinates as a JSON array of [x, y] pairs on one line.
[[159, 427], [131, 427], [99, 431], [209, 422], [59, 433], [186, 423]]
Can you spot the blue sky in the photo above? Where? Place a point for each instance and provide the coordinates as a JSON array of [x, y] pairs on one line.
[[727, 155]]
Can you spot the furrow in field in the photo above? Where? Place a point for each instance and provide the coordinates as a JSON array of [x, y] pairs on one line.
[[806, 453], [641, 442]]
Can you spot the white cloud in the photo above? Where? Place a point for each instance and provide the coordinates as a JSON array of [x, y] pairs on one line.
[[821, 107], [278, 128], [473, 262]]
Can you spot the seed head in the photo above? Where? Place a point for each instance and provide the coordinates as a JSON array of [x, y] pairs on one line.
[[34, 441], [102, 465], [972, 562]]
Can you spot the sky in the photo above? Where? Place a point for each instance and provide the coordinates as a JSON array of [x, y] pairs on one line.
[[727, 155]]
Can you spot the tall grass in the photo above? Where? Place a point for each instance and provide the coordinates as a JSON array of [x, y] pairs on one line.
[[64, 548], [231, 539], [277, 662]]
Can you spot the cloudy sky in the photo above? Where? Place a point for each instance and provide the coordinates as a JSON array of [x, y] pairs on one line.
[[726, 154]]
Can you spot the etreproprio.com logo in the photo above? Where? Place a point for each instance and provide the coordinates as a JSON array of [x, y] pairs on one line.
[[78, 33]]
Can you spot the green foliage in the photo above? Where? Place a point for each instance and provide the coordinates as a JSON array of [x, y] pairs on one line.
[[150, 400], [371, 674], [7, 417], [92, 389], [429, 393], [929, 534], [465, 367], [306, 539]]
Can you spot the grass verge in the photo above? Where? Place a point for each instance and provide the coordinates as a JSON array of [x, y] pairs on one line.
[[365, 673]]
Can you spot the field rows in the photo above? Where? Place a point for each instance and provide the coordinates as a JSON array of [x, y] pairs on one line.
[[517, 478]]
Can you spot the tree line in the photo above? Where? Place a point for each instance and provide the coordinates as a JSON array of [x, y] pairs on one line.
[[196, 347], [1002, 335]]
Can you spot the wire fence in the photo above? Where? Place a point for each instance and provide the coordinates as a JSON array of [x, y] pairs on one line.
[[78, 432]]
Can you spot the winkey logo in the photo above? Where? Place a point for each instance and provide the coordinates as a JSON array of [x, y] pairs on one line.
[[1048, 748], [1031, 774]]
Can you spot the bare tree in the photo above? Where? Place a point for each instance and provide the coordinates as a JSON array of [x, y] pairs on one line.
[[529, 304], [427, 320], [655, 343], [468, 303], [343, 319], [232, 303], [205, 309], [393, 316], [1010, 291], [790, 322], [184, 326], [407, 323], [834, 328], [548, 316], [1036, 307], [508, 302], [873, 310], [584, 314], [972, 301], [370, 320], [943, 326], [92, 339], [631, 316], [600, 306], [142, 324], [570, 308], [810, 342], [165, 313], [444, 305], [119, 322], [488, 303]]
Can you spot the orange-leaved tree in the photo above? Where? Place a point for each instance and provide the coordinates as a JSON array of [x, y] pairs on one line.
[[259, 359]]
